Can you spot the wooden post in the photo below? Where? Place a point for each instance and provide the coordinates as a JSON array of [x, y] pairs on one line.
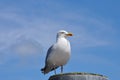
[[78, 76]]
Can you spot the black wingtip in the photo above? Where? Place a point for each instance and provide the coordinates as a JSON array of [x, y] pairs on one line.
[[43, 70]]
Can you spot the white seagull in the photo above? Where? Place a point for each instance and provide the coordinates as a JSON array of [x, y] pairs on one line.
[[58, 54]]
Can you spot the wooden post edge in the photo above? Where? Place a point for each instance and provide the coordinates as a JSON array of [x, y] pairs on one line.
[[78, 76]]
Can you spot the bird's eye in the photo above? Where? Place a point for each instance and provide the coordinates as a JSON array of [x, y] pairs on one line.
[[62, 32]]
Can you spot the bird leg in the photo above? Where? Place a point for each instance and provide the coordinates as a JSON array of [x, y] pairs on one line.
[[55, 71], [61, 69]]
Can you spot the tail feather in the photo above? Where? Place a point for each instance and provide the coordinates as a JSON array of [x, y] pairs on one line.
[[46, 70]]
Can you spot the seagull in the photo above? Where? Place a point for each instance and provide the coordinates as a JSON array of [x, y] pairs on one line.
[[58, 54]]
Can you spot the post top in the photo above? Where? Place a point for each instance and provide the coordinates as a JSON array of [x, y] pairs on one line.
[[78, 73]]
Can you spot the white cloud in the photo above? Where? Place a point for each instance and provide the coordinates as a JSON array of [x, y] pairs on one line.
[[38, 28], [88, 31], [88, 28], [24, 46]]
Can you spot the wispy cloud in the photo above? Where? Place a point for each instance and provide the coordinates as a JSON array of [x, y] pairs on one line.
[[24, 46], [88, 31], [28, 27]]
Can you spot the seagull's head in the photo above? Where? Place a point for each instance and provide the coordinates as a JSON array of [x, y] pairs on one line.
[[63, 33]]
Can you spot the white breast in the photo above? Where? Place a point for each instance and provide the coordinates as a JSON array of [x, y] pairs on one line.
[[61, 53]]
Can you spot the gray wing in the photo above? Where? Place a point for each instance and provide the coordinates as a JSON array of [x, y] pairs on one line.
[[47, 68], [48, 53]]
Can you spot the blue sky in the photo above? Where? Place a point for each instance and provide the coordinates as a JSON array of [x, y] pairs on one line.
[[28, 28]]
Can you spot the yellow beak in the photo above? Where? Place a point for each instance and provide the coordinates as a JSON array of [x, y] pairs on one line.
[[69, 34]]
